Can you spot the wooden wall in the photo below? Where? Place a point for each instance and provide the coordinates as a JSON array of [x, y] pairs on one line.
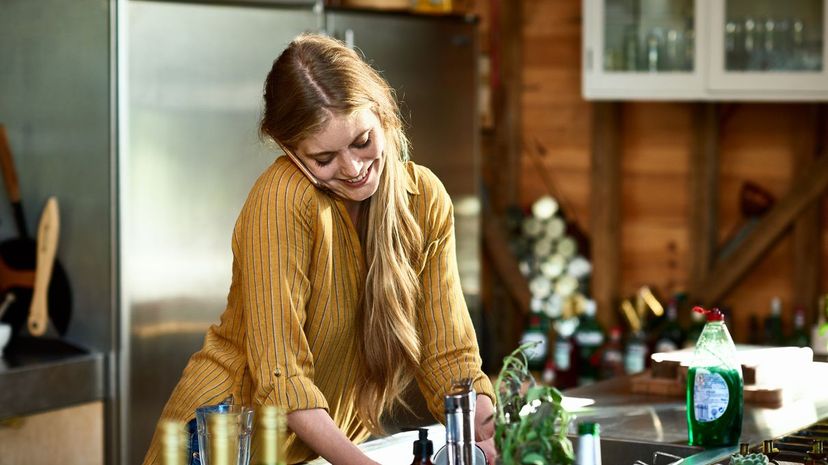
[[756, 144]]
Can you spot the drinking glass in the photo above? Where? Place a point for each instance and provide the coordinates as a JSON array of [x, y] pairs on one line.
[[240, 419]]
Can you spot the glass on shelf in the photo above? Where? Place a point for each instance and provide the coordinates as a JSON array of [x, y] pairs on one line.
[[769, 35], [649, 36]]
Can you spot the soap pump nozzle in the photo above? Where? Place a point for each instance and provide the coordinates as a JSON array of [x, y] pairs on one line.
[[423, 448]]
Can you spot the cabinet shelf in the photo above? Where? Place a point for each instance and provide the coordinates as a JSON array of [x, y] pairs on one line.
[[705, 50]]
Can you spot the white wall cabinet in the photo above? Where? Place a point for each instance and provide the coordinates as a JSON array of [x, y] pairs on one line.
[[705, 50]]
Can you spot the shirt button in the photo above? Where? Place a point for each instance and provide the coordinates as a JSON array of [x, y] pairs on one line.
[[277, 372]]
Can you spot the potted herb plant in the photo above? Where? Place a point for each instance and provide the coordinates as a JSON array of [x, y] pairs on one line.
[[530, 422]]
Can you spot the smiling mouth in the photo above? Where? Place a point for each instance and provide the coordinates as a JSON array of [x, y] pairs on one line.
[[360, 179]]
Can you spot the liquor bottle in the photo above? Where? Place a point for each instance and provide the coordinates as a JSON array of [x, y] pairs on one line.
[[271, 425], [566, 373], [535, 333], [173, 443], [819, 332], [588, 338], [773, 324], [799, 336], [670, 336], [636, 353], [612, 356], [548, 376], [696, 327]]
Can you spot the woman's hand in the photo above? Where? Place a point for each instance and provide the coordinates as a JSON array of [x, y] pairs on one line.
[[488, 447], [316, 429], [484, 428]]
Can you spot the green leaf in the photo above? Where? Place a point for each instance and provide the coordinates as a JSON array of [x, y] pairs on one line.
[[538, 437], [533, 459]]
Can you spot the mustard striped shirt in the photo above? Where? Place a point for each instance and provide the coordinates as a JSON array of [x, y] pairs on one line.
[[289, 333]]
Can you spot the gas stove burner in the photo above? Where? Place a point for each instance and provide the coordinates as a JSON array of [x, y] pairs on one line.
[[808, 446]]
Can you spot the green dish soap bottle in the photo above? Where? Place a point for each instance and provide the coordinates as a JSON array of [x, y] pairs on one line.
[[715, 388]]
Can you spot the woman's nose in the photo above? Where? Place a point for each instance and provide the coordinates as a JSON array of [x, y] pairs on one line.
[[352, 166]]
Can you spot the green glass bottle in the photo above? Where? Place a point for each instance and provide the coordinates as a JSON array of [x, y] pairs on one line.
[[588, 337], [799, 337], [536, 333], [715, 388]]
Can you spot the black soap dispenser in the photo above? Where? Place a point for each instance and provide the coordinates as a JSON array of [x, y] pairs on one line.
[[423, 448]]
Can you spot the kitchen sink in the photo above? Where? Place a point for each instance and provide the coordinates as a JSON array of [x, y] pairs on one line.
[[633, 452]]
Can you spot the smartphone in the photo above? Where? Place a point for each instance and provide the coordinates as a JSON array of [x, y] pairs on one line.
[[304, 169]]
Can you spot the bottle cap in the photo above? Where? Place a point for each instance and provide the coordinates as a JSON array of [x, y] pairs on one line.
[[714, 314], [588, 428]]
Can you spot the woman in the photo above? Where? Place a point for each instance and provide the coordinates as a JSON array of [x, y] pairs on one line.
[[345, 283]]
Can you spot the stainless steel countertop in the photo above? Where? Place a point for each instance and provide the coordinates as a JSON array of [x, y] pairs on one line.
[[643, 417], [42, 374]]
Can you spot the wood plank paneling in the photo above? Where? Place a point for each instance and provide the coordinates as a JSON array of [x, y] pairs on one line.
[[726, 273], [754, 143]]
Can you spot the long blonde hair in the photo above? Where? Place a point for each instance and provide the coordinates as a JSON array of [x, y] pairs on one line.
[[313, 78]]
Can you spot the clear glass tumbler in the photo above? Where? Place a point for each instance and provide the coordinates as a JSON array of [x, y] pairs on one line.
[[237, 421]]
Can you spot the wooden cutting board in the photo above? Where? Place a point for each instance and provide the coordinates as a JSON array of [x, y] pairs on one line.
[[773, 375]]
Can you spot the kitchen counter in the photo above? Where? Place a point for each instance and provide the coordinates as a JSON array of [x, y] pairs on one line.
[[638, 417], [44, 374], [642, 417]]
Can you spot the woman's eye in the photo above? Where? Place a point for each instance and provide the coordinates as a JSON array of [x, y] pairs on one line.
[[364, 144], [321, 163]]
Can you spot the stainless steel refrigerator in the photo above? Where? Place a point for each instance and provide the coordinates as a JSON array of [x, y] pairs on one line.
[[190, 83]]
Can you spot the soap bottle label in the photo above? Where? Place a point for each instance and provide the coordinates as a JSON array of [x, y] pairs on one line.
[[710, 395]]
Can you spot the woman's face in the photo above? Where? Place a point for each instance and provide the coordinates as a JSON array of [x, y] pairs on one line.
[[347, 155]]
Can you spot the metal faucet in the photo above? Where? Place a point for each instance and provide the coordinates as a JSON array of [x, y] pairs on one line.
[[460, 405]]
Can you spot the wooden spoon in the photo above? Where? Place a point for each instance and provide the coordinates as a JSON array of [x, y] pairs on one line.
[[47, 238]]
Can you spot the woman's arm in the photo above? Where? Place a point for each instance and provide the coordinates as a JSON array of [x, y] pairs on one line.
[[449, 344], [316, 429]]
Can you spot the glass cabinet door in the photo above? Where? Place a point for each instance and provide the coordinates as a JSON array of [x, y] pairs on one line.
[[643, 48], [769, 45], [648, 36]]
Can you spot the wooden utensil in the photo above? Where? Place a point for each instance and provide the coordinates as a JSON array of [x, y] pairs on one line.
[[47, 238], [18, 259]]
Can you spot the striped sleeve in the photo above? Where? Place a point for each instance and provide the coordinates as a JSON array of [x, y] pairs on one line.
[[449, 343], [274, 242]]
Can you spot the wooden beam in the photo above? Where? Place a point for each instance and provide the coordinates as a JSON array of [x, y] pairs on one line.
[[507, 88], [805, 189], [807, 234], [704, 196], [605, 207]]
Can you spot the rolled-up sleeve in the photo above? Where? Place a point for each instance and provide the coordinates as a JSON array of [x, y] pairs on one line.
[[449, 344], [275, 242]]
